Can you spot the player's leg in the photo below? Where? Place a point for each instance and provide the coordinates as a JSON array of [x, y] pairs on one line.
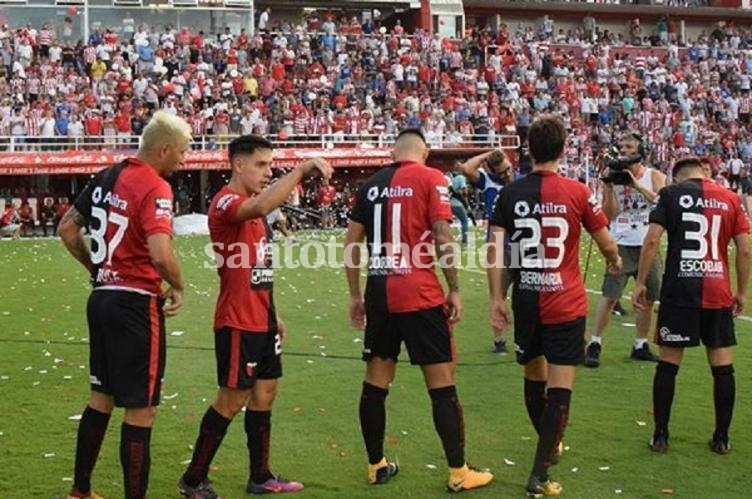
[[381, 348], [677, 328], [553, 422], [96, 415], [234, 350], [611, 291], [136, 362], [91, 431], [724, 394], [430, 345], [641, 348], [258, 420], [536, 376], [664, 385], [217, 418], [372, 412], [719, 338], [563, 348]]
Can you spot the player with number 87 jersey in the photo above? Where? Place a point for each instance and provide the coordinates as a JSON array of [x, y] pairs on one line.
[[128, 208]]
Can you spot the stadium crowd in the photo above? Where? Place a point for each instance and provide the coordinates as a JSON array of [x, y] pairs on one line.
[[341, 77]]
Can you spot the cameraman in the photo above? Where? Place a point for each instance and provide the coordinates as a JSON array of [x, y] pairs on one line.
[[497, 173], [630, 190]]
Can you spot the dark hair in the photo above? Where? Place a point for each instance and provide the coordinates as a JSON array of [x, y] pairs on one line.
[[248, 144], [413, 131], [642, 147], [546, 138], [495, 159], [691, 162]]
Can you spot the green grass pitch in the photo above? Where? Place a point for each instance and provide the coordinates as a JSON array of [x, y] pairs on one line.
[[316, 435]]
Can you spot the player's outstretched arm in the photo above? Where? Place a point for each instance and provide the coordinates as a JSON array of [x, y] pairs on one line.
[[165, 262], [356, 232], [69, 231], [742, 271], [276, 194], [470, 167], [448, 261]]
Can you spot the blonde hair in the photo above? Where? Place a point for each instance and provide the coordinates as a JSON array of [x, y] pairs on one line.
[[164, 128]]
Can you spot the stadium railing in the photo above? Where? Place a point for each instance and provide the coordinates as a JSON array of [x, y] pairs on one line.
[[20, 144]]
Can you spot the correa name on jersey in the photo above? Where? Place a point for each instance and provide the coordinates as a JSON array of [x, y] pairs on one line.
[[379, 265]]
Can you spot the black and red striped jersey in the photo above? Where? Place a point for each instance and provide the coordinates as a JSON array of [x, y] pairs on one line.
[[398, 206], [123, 205], [542, 215], [700, 218]]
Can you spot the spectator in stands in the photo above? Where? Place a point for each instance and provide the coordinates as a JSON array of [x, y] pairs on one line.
[[47, 215], [26, 219], [10, 221], [326, 196]]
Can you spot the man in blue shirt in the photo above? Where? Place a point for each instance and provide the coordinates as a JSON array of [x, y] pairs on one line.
[[490, 179]]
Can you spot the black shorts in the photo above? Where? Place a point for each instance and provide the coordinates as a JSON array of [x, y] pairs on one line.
[[126, 346], [426, 333], [243, 357], [684, 327], [561, 344]]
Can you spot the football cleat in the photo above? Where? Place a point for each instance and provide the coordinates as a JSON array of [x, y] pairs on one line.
[[643, 353], [542, 488], [467, 478], [203, 490], [92, 495], [659, 443], [618, 310], [500, 347], [720, 446], [274, 485], [381, 472], [593, 354]]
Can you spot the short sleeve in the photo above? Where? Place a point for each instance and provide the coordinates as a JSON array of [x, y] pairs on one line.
[[359, 211], [593, 218], [156, 210], [659, 214], [225, 207], [83, 201], [439, 206], [482, 181], [497, 217], [459, 182]]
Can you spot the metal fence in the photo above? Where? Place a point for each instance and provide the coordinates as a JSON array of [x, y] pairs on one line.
[[18, 144]]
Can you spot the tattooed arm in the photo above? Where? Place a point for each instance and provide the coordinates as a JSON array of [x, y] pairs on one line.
[[69, 231]]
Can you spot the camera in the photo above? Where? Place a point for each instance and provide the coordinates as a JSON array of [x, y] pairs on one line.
[[617, 166]]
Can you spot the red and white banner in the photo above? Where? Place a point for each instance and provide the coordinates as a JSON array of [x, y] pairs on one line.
[[78, 162]]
